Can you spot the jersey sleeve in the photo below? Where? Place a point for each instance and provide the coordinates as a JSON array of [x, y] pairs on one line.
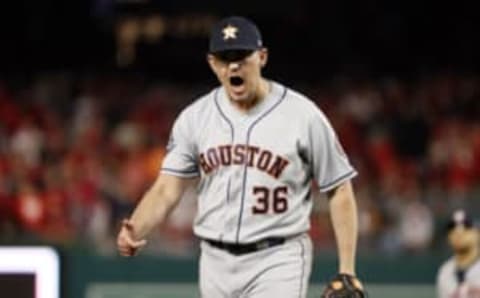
[[439, 290], [445, 280], [330, 164], [180, 159]]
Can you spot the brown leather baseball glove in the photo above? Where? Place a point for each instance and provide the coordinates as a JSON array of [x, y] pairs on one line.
[[344, 286]]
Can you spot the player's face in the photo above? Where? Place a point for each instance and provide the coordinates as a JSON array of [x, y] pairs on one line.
[[463, 238], [239, 72]]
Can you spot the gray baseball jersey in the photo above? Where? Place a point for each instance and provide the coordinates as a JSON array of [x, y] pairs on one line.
[[255, 168], [448, 285]]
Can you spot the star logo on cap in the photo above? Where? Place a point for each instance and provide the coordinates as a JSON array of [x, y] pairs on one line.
[[230, 32], [459, 216]]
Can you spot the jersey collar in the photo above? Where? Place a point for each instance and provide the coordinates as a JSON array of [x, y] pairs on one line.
[[236, 115]]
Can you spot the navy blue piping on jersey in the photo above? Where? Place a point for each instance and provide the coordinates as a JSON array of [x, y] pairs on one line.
[[215, 98], [193, 171], [227, 200], [244, 184], [232, 131], [326, 186]]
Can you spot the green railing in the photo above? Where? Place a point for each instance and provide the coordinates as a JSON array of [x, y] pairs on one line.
[[188, 290], [88, 276]]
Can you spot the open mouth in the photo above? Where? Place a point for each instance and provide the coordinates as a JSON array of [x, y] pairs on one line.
[[236, 81]]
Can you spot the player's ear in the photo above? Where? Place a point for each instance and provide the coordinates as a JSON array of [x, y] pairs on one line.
[[263, 53], [211, 62]]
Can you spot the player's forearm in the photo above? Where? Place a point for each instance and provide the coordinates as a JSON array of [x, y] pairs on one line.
[[153, 209], [343, 212]]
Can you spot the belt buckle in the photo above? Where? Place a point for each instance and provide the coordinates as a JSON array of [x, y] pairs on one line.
[[263, 245]]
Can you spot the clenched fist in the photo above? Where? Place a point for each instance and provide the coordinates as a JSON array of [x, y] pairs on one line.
[[127, 245]]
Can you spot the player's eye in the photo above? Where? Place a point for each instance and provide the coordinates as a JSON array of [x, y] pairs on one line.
[[466, 224], [233, 55], [450, 226]]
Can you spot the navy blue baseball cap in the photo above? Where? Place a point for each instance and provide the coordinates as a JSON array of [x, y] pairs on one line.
[[235, 33], [460, 218]]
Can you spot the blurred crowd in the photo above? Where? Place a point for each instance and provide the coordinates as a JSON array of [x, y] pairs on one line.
[[77, 153]]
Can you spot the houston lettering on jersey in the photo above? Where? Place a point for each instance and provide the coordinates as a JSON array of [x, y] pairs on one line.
[[252, 156]]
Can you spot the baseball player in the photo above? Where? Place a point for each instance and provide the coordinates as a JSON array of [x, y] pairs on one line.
[[255, 146], [459, 277]]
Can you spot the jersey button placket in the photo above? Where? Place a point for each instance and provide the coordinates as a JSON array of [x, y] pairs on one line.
[[234, 203], [241, 176]]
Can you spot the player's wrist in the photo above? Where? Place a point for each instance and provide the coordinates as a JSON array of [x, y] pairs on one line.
[[349, 273], [349, 270], [132, 228]]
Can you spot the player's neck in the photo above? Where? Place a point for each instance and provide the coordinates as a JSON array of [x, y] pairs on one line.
[[260, 93], [466, 259]]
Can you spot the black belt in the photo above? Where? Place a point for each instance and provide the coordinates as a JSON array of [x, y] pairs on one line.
[[240, 249]]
